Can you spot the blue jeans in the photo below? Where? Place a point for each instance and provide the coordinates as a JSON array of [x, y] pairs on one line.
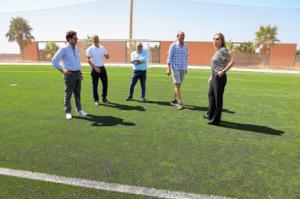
[[138, 75]]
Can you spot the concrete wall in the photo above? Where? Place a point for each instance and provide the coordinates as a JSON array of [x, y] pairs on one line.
[[31, 52], [297, 62], [200, 53], [10, 58], [283, 55], [164, 48], [116, 50], [244, 59]]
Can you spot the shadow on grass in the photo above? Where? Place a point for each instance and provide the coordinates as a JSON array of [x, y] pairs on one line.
[[123, 107], [250, 127], [189, 107], [105, 120], [200, 108]]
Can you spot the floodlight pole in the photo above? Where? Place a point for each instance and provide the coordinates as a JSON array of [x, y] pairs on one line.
[[130, 27]]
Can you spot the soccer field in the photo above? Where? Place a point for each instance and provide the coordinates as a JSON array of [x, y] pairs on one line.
[[254, 153]]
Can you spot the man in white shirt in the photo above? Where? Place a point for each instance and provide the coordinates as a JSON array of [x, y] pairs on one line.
[[95, 55]]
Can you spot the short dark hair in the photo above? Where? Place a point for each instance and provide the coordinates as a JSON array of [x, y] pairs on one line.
[[70, 34], [180, 32]]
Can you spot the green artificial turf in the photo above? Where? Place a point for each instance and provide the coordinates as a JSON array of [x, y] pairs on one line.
[[254, 153], [15, 188]]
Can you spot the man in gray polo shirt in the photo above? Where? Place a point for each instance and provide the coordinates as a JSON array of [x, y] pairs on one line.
[[177, 66]]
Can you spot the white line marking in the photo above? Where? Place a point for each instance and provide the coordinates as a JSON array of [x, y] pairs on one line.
[[114, 187], [128, 75], [27, 71], [283, 69]]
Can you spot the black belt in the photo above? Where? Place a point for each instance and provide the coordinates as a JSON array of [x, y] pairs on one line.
[[74, 71]]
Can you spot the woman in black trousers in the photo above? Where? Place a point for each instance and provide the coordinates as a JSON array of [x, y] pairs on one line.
[[221, 62]]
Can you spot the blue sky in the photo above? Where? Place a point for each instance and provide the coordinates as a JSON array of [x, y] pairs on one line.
[[153, 19]]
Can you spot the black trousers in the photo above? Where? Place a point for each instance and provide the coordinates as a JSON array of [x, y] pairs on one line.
[[215, 98], [103, 78], [138, 75]]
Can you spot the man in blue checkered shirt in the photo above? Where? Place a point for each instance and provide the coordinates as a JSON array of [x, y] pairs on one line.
[[177, 66]]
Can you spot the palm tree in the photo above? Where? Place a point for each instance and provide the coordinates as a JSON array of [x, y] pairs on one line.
[[50, 49], [266, 36], [20, 31], [87, 42]]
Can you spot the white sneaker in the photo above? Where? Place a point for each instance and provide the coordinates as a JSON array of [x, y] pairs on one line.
[[68, 116], [96, 103], [179, 106], [82, 113]]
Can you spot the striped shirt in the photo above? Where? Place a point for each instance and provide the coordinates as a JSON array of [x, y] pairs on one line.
[[178, 56]]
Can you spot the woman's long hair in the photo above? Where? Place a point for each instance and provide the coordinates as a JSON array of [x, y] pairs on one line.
[[222, 38]]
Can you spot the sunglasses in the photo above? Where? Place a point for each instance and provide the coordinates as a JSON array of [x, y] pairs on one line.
[[75, 38], [216, 39]]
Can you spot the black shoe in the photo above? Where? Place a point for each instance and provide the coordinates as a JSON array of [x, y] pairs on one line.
[[104, 100], [174, 103], [128, 98], [213, 123]]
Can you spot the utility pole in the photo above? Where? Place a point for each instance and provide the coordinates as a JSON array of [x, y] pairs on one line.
[[130, 27]]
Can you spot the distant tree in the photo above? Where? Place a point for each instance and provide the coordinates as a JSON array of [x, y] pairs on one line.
[[155, 47], [230, 46], [87, 42], [50, 49], [245, 47], [298, 52], [20, 31], [266, 36]]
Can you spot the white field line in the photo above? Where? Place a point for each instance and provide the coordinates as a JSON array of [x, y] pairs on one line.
[[114, 187], [27, 71], [111, 73], [202, 67]]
